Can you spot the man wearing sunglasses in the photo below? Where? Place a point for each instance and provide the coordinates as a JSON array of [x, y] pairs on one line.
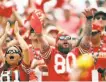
[[91, 41], [56, 57], [100, 17], [98, 46]]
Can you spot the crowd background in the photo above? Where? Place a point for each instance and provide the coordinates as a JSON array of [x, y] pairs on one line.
[[59, 16]]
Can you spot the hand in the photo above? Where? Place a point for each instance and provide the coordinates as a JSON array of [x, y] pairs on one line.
[[89, 12], [7, 29], [16, 28]]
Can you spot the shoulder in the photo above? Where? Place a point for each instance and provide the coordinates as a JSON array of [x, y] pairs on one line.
[[76, 51]]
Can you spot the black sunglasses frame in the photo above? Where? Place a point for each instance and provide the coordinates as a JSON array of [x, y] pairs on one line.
[[98, 17]]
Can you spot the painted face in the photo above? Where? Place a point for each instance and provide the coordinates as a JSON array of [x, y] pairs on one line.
[[13, 56], [63, 44]]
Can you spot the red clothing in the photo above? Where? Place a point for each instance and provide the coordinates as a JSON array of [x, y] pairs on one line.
[[86, 75], [34, 54], [24, 72], [57, 65], [101, 60], [102, 56], [76, 51]]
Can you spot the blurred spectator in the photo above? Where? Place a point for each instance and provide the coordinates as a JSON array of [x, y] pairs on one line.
[[70, 23], [52, 31], [100, 2]]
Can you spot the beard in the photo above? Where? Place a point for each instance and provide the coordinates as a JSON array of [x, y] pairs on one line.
[[63, 50]]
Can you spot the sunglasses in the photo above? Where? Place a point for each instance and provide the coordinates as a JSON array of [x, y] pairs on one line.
[[13, 51], [94, 33], [64, 38], [103, 18]]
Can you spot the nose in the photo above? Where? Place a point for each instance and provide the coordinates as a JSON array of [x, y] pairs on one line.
[[65, 40]]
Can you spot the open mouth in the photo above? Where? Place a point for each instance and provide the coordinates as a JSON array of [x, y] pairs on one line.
[[11, 57], [65, 42]]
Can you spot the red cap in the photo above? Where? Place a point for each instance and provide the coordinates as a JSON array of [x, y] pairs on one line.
[[36, 21]]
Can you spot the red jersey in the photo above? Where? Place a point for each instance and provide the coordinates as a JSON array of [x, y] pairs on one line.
[[19, 73], [86, 75], [100, 52], [59, 65], [101, 57], [76, 51], [35, 55]]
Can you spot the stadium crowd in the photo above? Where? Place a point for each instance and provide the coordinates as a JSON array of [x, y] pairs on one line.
[[53, 40]]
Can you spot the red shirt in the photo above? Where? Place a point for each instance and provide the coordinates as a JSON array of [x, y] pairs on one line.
[[76, 51], [86, 75], [58, 65], [35, 53], [23, 72], [101, 57]]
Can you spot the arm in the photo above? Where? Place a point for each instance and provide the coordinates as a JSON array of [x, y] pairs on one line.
[[50, 40], [89, 13], [2, 59], [2, 39], [15, 42], [85, 42], [23, 45], [18, 17], [45, 47]]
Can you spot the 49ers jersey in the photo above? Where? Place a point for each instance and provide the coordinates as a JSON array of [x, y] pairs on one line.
[[101, 56], [59, 65], [19, 73], [100, 53]]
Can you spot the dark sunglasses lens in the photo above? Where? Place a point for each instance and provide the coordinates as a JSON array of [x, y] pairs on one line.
[[103, 18], [12, 52], [94, 33], [64, 37], [97, 18], [61, 37], [32, 31], [68, 37]]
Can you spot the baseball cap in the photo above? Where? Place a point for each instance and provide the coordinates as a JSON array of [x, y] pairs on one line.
[[52, 28], [99, 11]]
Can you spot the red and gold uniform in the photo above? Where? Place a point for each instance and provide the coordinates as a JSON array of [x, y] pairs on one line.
[[58, 64], [20, 73], [100, 53]]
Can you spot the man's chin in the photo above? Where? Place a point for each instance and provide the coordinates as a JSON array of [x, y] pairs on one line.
[[66, 47]]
